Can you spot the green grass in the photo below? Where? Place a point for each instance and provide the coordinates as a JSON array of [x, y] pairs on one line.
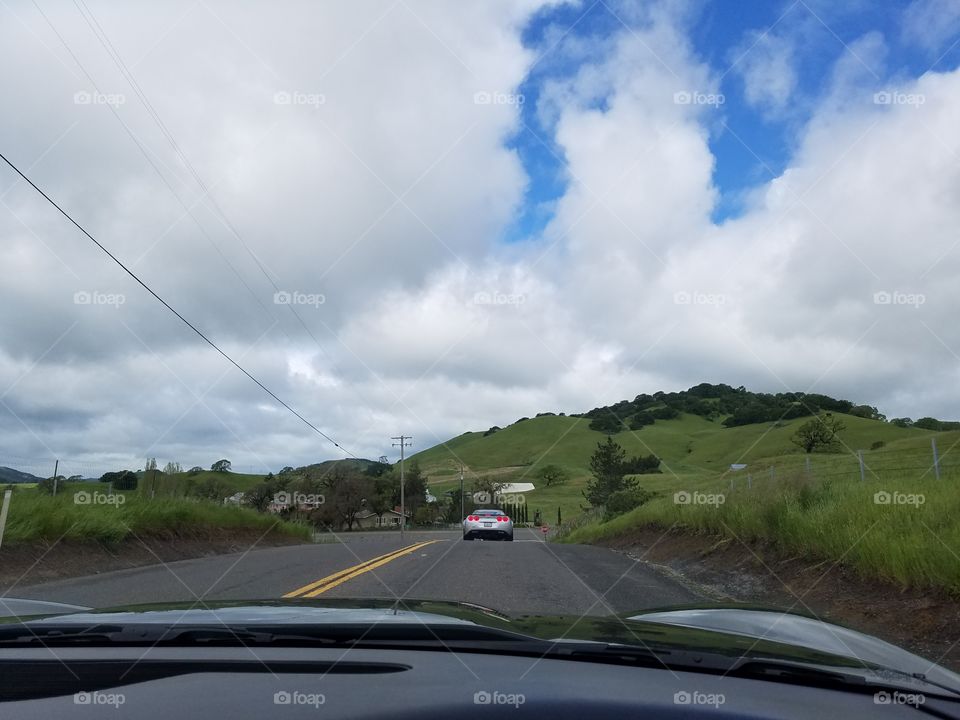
[[35, 517], [834, 519], [694, 452]]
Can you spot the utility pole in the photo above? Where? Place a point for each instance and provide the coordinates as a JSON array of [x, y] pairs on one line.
[[56, 466], [403, 507], [461, 492]]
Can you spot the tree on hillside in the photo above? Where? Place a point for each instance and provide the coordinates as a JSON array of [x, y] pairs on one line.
[[819, 433], [211, 488], [903, 422], [172, 468], [121, 479], [609, 476], [485, 489], [414, 487], [151, 464], [553, 475], [221, 466]]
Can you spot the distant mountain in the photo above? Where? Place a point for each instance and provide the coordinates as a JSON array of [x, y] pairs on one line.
[[9, 475]]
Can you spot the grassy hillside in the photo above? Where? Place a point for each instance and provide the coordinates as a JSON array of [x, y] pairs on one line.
[[695, 452]]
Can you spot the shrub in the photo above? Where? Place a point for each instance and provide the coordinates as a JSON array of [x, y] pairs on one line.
[[626, 500]]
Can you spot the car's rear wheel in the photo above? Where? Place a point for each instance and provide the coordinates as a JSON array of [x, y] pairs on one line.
[[509, 538], [467, 537]]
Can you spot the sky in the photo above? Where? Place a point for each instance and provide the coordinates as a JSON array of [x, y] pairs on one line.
[[432, 217]]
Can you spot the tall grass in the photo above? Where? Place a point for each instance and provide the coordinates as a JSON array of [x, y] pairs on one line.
[[35, 517], [912, 545]]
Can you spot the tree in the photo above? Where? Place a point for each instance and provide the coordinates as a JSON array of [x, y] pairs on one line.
[[346, 493], [127, 481], [212, 488], [928, 423], [221, 466], [259, 496], [172, 468], [819, 433], [414, 487], [75, 478], [553, 475], [607, 466], [903, 422], [195, 470], [151, 464]]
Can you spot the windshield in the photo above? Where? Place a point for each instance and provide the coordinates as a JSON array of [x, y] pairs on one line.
[[564, 310]]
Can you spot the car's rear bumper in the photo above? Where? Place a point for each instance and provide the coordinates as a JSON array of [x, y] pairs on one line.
[[487, 534]]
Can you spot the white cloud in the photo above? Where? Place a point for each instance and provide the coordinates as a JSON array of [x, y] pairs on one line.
[[428, 326]]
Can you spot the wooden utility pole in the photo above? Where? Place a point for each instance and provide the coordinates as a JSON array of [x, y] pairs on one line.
[[402, 443]]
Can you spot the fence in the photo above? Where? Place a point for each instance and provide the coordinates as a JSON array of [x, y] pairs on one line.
[[918, 464]]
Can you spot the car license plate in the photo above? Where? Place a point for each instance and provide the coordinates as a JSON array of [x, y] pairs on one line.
[[488, 524]]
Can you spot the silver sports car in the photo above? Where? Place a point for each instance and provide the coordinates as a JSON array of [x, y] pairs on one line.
[[488, 525]]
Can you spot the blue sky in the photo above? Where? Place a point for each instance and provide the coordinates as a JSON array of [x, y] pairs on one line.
[[721, 35]]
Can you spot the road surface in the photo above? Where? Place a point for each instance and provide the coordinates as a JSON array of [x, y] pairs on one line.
[[528, 575]]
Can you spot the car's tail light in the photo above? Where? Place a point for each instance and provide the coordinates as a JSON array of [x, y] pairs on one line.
[[502, 518], [473, 518]]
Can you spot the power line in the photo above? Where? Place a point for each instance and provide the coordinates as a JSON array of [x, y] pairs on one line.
[[100, 34], [171, 308]]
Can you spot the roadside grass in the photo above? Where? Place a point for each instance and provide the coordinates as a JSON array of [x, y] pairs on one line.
[[34, 517], [836, 519]]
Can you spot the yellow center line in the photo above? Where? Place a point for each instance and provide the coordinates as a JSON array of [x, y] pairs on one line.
[[341, 576]]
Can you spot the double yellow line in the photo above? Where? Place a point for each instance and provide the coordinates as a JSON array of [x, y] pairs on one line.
[[340, 577]]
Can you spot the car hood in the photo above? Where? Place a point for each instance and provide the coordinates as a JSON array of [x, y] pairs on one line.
[[734, 631]]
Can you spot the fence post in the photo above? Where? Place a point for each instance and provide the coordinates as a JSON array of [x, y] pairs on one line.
[[772, 472], [749, 481], [860, 459], [807, 458], [936, 458], [3, 512], [731, 483]]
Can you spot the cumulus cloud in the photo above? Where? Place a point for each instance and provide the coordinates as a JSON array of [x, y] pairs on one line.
[[363, 155]]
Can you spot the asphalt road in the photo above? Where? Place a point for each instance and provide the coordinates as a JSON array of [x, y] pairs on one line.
[[528, 575]]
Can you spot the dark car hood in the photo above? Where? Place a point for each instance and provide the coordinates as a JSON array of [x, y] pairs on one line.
[[734, 631]]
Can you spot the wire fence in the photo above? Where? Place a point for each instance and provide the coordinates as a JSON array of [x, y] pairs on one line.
[[918, 464]]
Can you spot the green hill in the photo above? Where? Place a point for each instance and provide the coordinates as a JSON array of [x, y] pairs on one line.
[[695, 450]]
